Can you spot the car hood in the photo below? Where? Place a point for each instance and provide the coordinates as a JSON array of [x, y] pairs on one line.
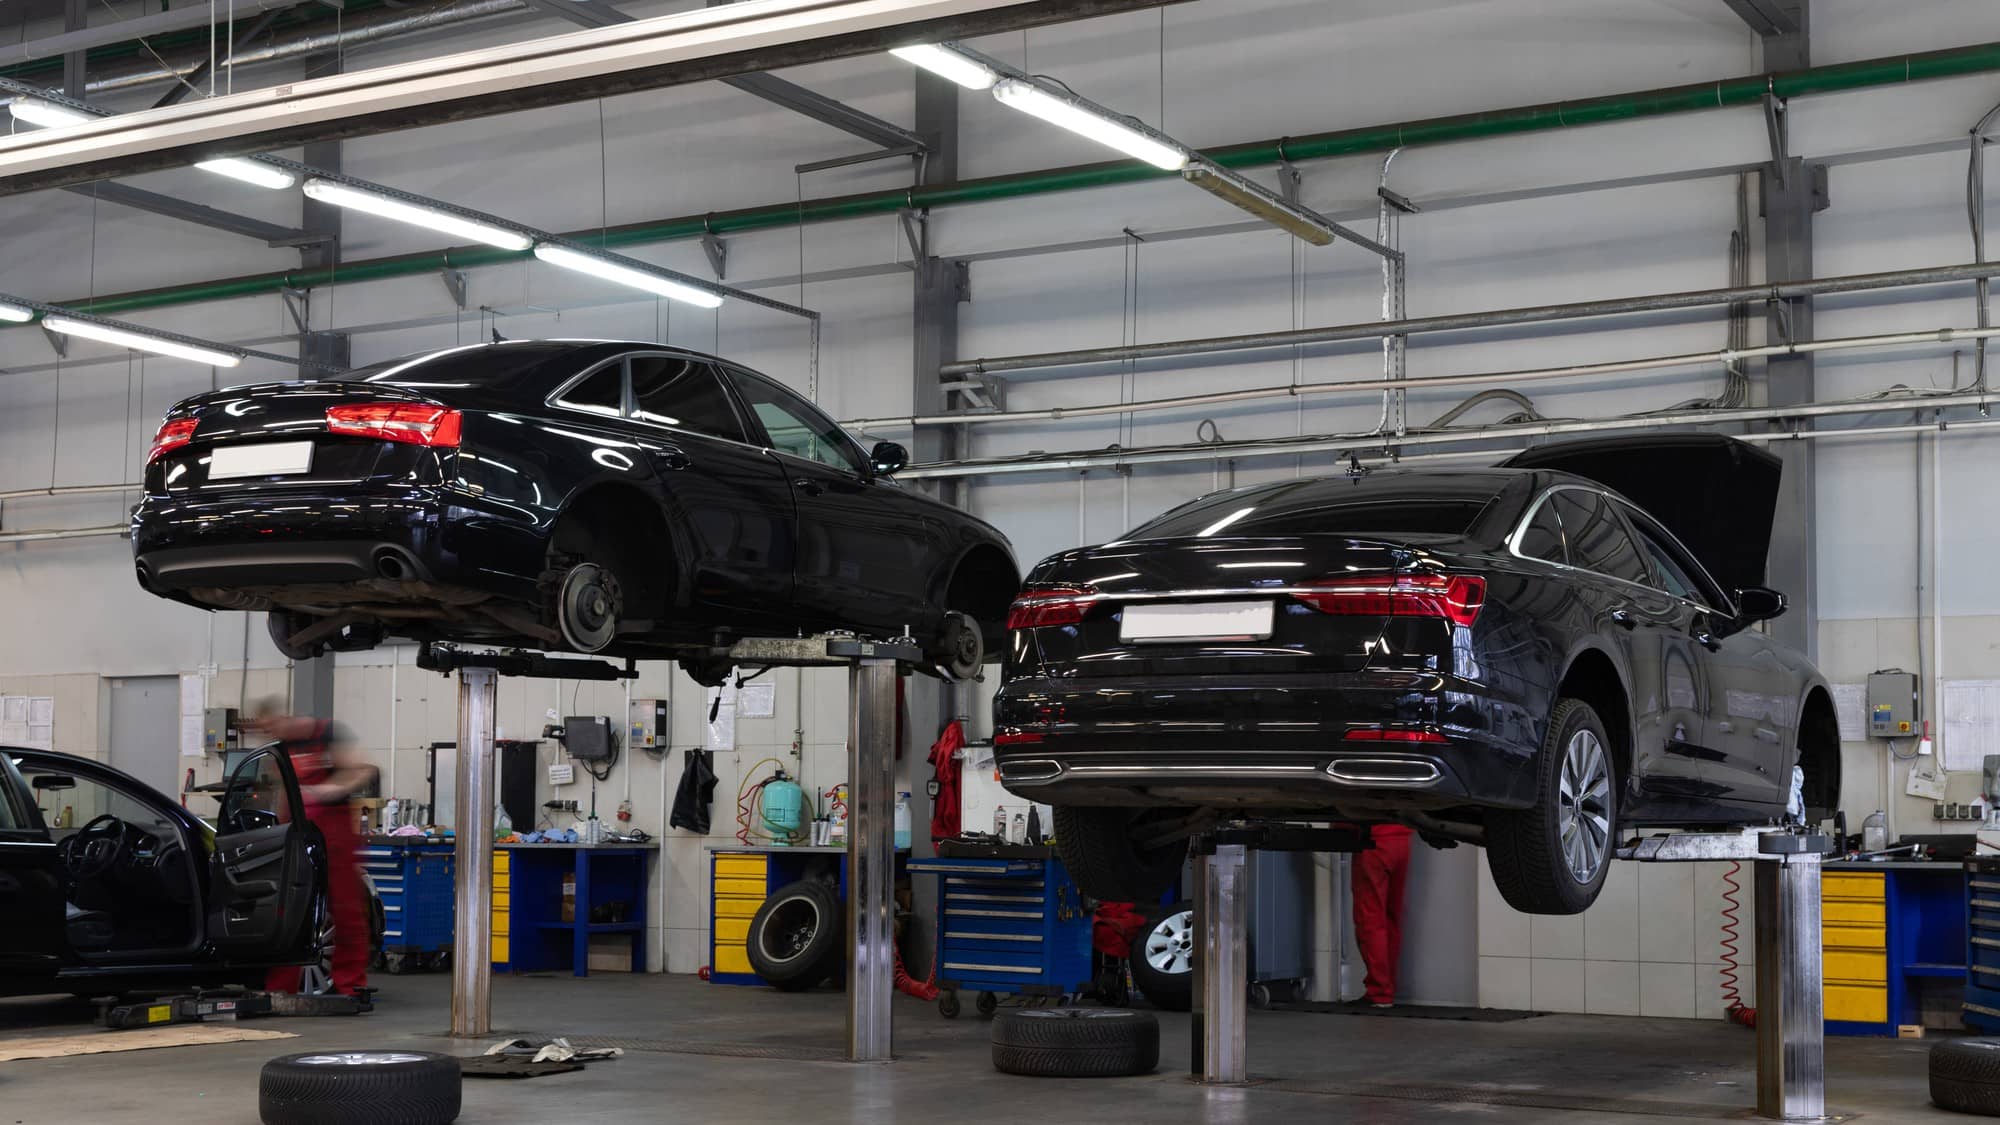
[[1717, 495]]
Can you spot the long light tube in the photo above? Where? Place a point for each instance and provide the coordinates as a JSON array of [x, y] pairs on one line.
[[46, 115], [16, 313], [139, 341], [50, 115], [1088, 121], [569, 259], [416, 214], [944, 62]]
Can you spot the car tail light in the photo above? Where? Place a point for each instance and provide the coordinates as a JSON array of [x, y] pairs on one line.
[[1393, 734], [415, 423], [1051, 605], [1455, 597], [1017, 737], [173, 434]]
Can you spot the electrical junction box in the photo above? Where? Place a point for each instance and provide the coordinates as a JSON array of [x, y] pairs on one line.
[[649, 725], [588, 737], [220, 730], [1892, 705], [562, 773]]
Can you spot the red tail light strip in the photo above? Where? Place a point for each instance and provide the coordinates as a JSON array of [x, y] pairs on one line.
[[172, 434], [1393, 734], [413, 423], [1014, 736], [1051, 605], [1457, 598]]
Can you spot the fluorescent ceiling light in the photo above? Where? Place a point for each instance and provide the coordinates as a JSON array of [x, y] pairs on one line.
[[941, 60], [16, 313], [249, 171], [416, 214], [1266, 205], [139, 341], [1087, 120], [47, 115], [625, 275]]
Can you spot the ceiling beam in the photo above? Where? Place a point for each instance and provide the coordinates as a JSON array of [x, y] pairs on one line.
[[124, 31], [200, 214], [1766, 17], [191, 81], [687, 47], [777, 91]]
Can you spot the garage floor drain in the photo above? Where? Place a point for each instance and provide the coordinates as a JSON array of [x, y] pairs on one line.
[[1522, 1099], [705, 1047]]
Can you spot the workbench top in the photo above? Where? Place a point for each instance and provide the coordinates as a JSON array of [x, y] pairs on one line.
[[781, 849], [607, 845], [1950, 865]]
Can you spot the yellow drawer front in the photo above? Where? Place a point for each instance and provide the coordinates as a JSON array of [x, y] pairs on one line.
[[500, 949], [500, 860], [502, 900], [1839, 913], [1859, 1003], [740, 866], [732, 931], [1853, 937], [737, 907], [500, 927], [744, 888], [1847, 884], [1859, 968], [732, 959]]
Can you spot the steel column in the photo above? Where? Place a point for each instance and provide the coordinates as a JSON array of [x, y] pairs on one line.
[[1791, 1045], [1221, 965], [472, 894], [312, 687], [871, 869]]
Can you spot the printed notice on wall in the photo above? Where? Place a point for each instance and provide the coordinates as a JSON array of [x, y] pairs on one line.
[[721, 736], [1849, 704], [29, 721], [757, 701], [194, 701], [1971, 716]]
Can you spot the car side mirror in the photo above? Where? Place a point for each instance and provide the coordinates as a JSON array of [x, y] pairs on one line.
[[888, 458], [1759, 603], [54, 781]]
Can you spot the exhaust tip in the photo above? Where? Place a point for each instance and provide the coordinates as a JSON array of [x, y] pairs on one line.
[[1032, 769], [392, 566], [1385, 771]]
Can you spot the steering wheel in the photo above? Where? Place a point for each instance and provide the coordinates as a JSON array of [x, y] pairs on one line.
[[95, 849]]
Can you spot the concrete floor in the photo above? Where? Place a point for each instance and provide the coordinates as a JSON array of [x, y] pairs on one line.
[[693, 1056]]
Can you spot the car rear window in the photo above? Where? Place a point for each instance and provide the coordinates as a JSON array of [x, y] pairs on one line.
[[1340, 507]]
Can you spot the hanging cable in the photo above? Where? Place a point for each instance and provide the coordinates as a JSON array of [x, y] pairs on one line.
[[1733, 1008]]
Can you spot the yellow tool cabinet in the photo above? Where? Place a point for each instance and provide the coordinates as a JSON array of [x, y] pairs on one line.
[[1854, 945]]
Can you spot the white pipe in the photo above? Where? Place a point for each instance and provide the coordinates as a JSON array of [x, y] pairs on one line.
[[67, 490], [1374, 386], [395, 658], [74, 533], [1937, 597]]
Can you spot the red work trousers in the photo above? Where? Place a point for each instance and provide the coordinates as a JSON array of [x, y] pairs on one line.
[[1379, 876], [347, 901]]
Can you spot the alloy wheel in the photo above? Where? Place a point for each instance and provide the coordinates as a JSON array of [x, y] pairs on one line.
[[316, 979], [1170, 946], [1584, 813]]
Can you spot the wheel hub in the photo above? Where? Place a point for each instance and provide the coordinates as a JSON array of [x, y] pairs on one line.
[[1584, 807], [587, 607], [1170, 947]]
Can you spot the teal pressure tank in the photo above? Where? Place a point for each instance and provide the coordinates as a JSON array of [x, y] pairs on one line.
[[781, 806]]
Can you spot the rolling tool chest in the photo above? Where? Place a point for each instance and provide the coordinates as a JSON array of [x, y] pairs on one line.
[[1011, 923]]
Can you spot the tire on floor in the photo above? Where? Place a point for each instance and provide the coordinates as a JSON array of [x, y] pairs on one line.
[[1965, 1076], [360, 1088], [794, 941], [1076, 1042]]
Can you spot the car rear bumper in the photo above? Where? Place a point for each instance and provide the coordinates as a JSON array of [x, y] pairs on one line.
[[1271, 743]]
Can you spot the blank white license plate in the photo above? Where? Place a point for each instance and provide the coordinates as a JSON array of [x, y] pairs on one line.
[[265, 459], [1184, 621]]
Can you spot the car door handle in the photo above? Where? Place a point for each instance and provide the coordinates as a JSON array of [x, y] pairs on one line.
[[809, 486], [1707, 640], [676, 460], [1624, 619]]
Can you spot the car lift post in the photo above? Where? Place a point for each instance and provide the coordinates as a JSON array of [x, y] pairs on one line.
[[1791, 1034], [1222, 901]]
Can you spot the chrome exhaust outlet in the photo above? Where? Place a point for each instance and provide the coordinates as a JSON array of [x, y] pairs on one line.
[[1032, 769], [1385, 771]]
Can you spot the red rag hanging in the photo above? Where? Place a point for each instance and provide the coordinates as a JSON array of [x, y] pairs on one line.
[[1113, 927], [947, 769]]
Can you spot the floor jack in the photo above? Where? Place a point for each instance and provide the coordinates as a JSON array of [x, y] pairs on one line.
[[218, 1005]]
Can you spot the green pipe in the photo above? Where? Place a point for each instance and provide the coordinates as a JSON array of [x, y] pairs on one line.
[[1956, 62]]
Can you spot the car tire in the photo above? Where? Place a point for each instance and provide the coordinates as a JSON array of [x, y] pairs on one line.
[[360, 1088], [1096, 847], [1551, 858], [794, 939], [1163, 959], [1965, 1076], [1076, 1042], [961, 647]]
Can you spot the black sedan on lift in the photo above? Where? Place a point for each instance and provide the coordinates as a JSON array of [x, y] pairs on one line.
[[108, 886], [623, 498], [1522, 657]]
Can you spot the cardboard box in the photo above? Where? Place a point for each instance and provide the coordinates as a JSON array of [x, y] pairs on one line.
[[569, 896], [610, 953], [1909, 1031]]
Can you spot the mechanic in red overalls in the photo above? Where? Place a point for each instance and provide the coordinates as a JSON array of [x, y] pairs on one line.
[[330, 774], [1379, 877]]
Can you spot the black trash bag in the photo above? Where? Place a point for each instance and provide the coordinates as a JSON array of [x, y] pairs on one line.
[[696, 790]]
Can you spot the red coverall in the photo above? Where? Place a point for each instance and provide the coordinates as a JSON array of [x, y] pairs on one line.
[[1379, 876], [313, 763]]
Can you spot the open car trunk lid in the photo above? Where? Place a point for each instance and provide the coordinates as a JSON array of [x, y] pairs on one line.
[[1719, 496]]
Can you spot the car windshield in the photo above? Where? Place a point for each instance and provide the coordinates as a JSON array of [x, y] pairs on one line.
[[472, 365], [1388, 504]]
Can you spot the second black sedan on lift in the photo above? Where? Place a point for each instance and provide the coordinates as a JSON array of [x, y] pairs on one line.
[[1518, 656], [623, 498]]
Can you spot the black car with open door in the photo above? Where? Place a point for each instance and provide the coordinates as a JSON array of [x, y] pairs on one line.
[[107, 885]]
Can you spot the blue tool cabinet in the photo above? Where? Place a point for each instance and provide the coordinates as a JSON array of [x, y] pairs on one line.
[[1006, 927], [1982, 945], [413, 876]]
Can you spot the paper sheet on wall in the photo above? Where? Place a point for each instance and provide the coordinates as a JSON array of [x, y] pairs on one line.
[[13, 720], [757, 701], [721, 732], [29, 721], [194, 700], [1970, 710], [1849, 701]]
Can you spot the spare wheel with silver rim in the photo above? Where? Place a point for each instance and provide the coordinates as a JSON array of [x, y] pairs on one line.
[[360, 1088], [1552, 857], [1163, 958]]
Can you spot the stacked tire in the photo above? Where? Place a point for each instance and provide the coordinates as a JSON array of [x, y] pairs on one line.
[[1076, 1042], [794, 941], [1965, 1076], [360, 1088]]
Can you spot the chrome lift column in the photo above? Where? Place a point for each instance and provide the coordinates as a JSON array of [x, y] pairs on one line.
[[1221, 964], [871, 859], [472, 892]]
